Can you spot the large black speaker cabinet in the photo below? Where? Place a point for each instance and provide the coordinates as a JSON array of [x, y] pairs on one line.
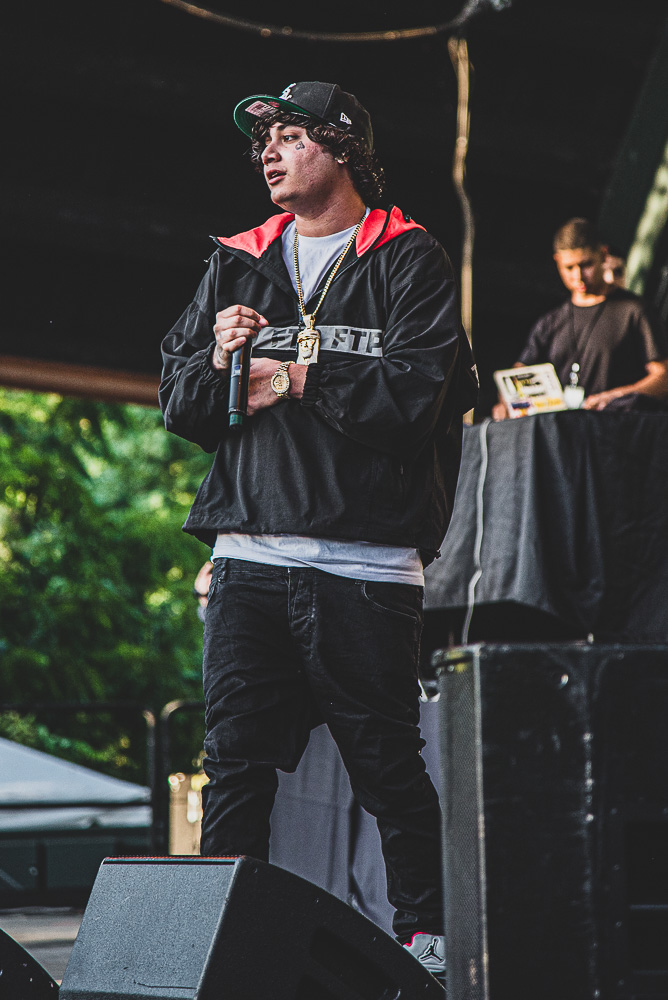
[[21, 976], [555, 802], [230, 929]]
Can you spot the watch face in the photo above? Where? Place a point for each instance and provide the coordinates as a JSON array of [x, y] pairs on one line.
[[280, 382]]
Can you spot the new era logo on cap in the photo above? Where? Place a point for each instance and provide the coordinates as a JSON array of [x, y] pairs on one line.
[[345, 118]]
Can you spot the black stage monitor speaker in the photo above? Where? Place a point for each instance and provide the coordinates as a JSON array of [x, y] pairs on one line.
[[230, 929], [21, 977], [555, 801]]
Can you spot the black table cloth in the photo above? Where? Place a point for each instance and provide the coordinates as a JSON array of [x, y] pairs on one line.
[[573, 511]]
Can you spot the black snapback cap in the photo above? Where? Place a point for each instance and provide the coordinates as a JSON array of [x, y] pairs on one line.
[[324, 101]]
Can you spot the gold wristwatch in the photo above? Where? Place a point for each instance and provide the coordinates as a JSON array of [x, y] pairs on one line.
[[280, 380]]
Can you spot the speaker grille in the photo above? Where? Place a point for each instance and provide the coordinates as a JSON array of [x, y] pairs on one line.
[[555, 806]]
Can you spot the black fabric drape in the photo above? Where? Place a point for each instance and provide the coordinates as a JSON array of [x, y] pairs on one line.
[[575, 522]]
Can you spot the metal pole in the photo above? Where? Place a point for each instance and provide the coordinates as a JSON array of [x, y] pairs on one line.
[[459, 56]]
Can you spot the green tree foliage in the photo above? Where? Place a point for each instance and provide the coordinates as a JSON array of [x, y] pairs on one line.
[[96, 575]]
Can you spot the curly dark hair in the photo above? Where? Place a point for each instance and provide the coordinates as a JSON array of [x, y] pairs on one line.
[[367, 174]]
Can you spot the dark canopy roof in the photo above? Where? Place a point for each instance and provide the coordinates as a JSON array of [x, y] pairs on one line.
[[120, 155]]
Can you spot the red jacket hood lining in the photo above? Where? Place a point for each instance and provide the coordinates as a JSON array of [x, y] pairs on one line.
[[256, 241]]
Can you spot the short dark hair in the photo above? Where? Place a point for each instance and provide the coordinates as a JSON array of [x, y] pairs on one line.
[[367, 174], [577, 234]]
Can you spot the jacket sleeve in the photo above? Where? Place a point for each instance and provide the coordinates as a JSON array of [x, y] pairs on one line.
[[393, 403], [193, 395]]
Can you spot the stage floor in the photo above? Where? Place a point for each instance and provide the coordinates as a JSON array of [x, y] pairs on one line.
[[46, 934]]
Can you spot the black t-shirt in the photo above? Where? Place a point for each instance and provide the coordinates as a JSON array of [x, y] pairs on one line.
[[612, 342]]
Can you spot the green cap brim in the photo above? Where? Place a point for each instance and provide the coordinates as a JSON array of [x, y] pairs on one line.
[[246, 121]]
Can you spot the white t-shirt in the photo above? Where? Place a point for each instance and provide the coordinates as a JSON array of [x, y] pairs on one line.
[[356, 560], [317, 256]]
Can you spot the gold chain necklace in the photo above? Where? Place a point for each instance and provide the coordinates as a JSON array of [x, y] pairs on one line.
[[308, 341]]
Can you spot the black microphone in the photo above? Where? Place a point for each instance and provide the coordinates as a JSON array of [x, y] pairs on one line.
[[238, 404]]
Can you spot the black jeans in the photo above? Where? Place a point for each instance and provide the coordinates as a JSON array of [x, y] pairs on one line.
[[285, 649]]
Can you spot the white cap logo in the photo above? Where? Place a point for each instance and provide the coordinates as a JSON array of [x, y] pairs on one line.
[[287, 93], [346, 119]]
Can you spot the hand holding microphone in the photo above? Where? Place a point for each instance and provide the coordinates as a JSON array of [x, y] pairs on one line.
[[234, 329], [231, 329], [250, 380]]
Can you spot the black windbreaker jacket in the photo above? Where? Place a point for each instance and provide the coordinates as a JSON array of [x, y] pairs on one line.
[[371, 452]]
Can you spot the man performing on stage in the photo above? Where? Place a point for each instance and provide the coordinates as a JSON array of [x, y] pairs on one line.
[[323, 509]]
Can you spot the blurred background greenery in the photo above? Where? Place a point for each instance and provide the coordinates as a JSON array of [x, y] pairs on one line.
[[96, 575]]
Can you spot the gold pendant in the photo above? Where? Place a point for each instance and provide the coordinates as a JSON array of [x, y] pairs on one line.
[[308, 342]]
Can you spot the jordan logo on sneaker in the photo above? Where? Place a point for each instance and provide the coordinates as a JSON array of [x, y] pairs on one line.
[[430, 951]]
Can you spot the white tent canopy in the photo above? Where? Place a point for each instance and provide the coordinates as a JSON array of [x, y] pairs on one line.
[[30, 776]]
